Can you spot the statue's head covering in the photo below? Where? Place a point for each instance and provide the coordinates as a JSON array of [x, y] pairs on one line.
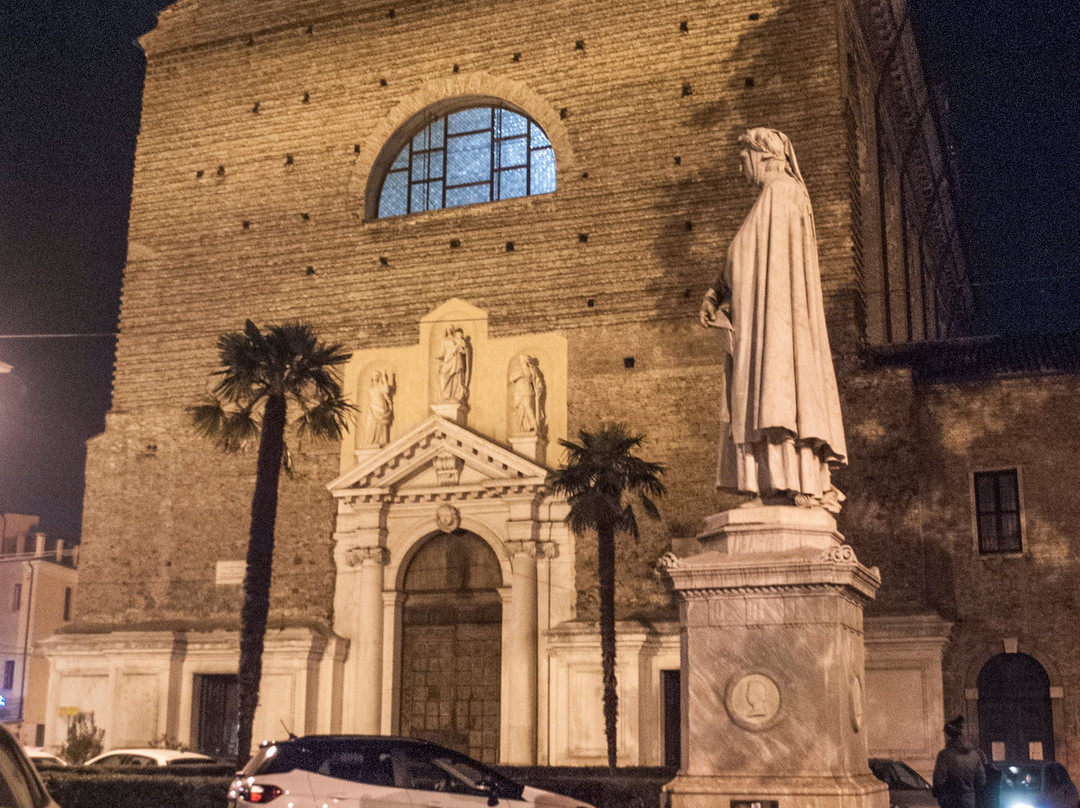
[[773, 143]]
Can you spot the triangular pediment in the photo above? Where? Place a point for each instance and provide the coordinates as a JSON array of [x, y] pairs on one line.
[[439, 456]]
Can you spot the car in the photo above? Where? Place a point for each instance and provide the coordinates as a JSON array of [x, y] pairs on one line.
[[318, 770], [1031, 784], [907, 788], [40, 756], [147, 757], [20, 783]]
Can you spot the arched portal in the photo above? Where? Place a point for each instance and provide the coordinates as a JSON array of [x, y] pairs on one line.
[[451, 645], [1015, 720]]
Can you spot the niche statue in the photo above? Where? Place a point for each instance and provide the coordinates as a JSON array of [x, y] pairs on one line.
[[784, 432]]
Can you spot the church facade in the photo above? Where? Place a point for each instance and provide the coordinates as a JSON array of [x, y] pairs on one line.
[[508, 213]]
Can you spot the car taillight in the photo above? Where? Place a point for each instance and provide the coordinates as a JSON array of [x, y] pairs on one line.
[[260, 793]]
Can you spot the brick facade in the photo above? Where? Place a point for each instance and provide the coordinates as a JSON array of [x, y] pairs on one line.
[[264, 129]]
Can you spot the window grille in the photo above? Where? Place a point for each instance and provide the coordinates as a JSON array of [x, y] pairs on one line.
[[480, 154], [997, 511]]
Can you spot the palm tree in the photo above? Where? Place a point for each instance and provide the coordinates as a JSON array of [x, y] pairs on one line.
[[260, 374], [598, 473]]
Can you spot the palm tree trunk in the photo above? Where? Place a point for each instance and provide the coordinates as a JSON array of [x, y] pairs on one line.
[[260, 556], [605, 540]]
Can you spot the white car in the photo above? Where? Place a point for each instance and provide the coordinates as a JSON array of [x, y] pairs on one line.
[[320, 770], [41, 756], [147, 757]]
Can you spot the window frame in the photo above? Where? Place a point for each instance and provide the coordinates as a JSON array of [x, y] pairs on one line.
[[997, 472], [403, 141], [9, 675]]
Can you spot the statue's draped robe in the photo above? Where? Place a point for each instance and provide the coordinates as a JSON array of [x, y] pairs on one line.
[[784, 409]]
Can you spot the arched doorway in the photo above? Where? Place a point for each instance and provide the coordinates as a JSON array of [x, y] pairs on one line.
[[451, 645], [1015, 720]]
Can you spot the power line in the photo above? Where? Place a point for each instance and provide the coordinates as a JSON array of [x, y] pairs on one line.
[[59, 336]]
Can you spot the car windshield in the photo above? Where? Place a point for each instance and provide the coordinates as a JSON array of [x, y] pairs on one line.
[[1022, 778], [898, 775]]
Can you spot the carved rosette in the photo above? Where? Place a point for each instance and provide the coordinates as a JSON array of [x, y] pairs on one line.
[[668, 561], [844, 554], [358, 556]]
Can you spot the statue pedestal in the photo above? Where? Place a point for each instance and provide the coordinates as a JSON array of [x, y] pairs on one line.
[[773, 665], [454, 411], [534, 447]]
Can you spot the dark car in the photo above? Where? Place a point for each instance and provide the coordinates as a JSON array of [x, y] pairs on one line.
[[1031, 784], [907, 788], [20, 784]]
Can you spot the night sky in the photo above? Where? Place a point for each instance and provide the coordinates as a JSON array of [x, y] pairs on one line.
[[70, 82]]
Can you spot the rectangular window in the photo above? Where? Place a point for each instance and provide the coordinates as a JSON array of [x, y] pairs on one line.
[[67, 606], [997, 511], [16, 598], [9, 674]]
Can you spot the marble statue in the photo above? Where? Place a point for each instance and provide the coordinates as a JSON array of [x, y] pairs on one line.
[[527, 394], [380, 411], [784, 433], [455, 366]]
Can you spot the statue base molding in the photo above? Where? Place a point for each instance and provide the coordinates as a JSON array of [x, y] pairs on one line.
[[777, 791], [454, 411], [773, 663], [533, 447]]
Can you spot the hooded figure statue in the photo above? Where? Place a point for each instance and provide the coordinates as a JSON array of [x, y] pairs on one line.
[[784, 431]]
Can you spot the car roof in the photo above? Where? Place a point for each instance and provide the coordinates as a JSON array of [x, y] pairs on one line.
[[363, 738], [160, 754]]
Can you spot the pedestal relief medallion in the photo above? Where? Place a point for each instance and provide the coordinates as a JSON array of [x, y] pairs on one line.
[[856, 691], [752, 701]]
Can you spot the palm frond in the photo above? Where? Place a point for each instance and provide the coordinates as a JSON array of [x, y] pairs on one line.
[[232, 428], [327, 418]]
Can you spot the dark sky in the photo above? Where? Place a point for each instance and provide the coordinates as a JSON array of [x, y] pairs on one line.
[[70, 83]]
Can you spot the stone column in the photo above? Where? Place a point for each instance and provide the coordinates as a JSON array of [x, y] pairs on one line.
[[520, 655], [368, 638], [773, 665]]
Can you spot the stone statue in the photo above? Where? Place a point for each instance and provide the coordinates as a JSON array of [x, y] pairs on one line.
[[527, 394], [784, 432], [380, 412], [455, 366]]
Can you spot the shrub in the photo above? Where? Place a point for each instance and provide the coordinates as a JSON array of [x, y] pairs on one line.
[[84, 739]]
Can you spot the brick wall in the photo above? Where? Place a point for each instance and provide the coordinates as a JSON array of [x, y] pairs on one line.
[[232, 203]]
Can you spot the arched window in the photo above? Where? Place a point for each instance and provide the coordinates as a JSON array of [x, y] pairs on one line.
[[479, 154]]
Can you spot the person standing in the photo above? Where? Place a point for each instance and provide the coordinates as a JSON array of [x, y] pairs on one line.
[[959, 771]]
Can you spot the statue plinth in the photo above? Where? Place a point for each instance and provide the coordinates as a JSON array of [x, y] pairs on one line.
[[533, 447], [455, 411], [773, 655]]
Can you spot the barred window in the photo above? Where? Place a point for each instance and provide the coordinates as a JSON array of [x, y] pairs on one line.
[[997, 511], [474, 155]]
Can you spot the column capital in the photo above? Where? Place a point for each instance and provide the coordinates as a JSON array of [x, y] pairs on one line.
[[367, 556]]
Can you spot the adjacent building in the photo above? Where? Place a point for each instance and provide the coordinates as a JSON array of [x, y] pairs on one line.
[[36, 592], [509, 211]]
